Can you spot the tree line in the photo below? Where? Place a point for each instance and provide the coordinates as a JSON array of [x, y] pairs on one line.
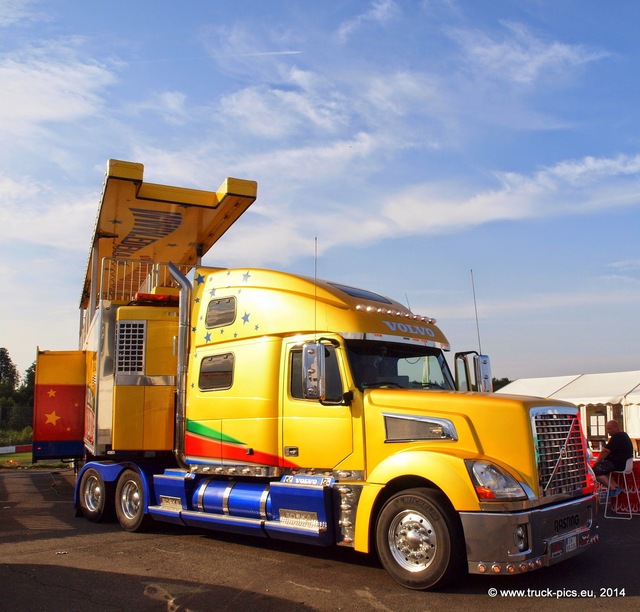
[[16, 402]]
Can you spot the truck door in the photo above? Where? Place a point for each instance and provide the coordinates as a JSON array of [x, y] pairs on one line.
[[315, 435]]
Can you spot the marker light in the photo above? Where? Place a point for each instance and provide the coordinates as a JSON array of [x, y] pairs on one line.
[[396, 313]]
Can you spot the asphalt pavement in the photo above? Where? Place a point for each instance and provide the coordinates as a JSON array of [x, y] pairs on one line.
[[51, 560]]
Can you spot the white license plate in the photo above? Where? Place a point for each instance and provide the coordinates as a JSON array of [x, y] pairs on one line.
[[571, 543]]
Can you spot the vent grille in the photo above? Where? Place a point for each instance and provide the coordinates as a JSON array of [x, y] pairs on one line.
[[130, 343], [402, 428], [562, 465]]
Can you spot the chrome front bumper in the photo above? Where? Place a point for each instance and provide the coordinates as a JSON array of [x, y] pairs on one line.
[[516, 542]]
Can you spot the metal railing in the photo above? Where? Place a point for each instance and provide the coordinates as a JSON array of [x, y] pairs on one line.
[[121, 279]]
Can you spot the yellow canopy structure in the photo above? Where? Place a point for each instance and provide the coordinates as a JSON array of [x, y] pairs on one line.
[[159, 223]]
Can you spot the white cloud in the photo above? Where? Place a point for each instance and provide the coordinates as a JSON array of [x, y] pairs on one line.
[[171, 106], [589, 170], [32, 212], [572, 187], [429, 106], [304, 105], [626, 272], [271, 113], [13, 190], [629, 265], [294, 201], [519, 57], [341, 137], [379, 11], [251, 54], [46, 85], [16, 12], [402, 92]]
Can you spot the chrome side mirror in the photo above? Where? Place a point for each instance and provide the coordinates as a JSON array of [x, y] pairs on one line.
[[313, 371], [473, 374]]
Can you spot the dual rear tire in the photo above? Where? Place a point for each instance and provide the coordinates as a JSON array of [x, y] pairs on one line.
[[95, 497], [130, 502], [100, 500]]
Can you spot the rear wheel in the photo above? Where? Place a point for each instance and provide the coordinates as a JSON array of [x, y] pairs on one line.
[[95, 497], [418, 539], [130, 502]]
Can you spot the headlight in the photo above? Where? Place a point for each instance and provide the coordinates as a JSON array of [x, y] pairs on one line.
[[491, 482]]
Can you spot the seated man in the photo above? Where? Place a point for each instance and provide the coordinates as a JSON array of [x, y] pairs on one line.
[[613, 457]]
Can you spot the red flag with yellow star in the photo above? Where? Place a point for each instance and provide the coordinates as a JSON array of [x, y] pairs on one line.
[[58, 414]]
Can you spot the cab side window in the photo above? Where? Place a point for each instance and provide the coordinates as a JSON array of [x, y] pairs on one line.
[[334, 389], [220, 312], [216, 372]]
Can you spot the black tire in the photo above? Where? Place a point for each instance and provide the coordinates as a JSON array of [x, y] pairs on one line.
[[130, 502], [418, 539], [95, 497]]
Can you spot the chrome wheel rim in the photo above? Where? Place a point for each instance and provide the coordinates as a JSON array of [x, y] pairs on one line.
[[130, 499], [92, 494], [412, 541]]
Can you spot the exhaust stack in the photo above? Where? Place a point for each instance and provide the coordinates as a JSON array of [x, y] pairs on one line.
[[183, 352]]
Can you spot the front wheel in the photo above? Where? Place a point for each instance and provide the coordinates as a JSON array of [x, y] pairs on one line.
[[418, 539], [130, 502]]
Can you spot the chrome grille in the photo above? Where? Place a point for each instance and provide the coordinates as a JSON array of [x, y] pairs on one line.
[[562, 465]]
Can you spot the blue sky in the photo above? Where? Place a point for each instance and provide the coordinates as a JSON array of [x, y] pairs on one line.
[[416, 140]]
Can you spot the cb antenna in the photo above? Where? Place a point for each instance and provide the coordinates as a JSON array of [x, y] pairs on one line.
[[475, 306], [315, 284]]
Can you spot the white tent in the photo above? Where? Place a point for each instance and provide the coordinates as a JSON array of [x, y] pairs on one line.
[[612, 388], [609, 389], [538, 387], [633, 413]]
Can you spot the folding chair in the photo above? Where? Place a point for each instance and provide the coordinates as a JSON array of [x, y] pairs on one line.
[[624, 478]]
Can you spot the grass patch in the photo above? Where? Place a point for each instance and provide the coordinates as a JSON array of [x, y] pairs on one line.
[[23, 461]]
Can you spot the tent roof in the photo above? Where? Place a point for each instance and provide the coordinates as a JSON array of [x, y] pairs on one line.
[[582, 389], [634, 396], [539, 387]]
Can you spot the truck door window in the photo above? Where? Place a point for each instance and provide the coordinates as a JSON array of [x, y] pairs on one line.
[[216, 372], [334, 390]]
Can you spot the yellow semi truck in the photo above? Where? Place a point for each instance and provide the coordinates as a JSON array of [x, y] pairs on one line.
[[281, 406]]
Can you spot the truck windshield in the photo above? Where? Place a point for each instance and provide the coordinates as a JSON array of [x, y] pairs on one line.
[[383, 364]]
